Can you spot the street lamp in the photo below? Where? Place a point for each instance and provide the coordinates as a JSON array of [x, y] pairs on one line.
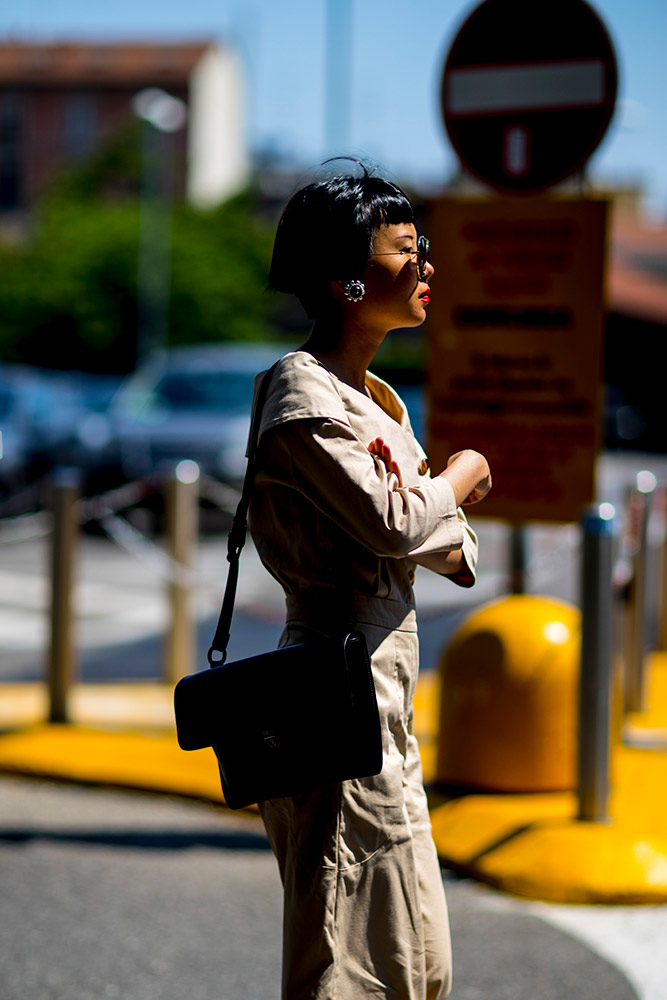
[[161, 115]]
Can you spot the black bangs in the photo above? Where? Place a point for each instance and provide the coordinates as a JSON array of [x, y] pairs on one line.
[[382, 204]]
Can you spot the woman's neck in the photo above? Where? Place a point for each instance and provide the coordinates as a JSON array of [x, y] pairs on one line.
[[346, 353]]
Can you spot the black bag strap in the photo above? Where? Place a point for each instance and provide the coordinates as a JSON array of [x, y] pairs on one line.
[[237, 535]]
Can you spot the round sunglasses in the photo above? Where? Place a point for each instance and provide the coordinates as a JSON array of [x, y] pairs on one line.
[[421, 253]]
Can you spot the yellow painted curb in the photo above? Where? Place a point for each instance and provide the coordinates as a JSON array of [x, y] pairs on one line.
[[532, 846], [146, 760]]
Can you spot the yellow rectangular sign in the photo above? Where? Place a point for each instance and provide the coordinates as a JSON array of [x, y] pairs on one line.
[[514, 347]]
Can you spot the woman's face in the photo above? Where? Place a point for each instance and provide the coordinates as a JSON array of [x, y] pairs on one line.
[[395, 295]]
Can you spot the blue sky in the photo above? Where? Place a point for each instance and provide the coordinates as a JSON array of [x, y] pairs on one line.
[[397, 50]]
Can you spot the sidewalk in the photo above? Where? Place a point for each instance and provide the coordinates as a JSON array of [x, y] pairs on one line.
[[122, 735]]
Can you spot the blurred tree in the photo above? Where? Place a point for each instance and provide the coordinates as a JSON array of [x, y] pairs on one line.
[[68, 292]]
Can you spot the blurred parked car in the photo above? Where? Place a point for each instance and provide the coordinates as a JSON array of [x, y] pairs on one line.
[[183, 403], [627, 425], [54, 406], [15, 438]]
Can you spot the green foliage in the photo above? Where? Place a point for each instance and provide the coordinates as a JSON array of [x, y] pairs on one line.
[[220, 262], [68, 292], [68, 295]]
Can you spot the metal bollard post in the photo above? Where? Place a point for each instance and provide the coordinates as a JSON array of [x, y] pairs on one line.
[[60, 665], [182, 524], [595, 685], [639, 506], [661, 497], [518, 554]]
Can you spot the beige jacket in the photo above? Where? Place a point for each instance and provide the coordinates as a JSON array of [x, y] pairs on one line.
[[319, 492]]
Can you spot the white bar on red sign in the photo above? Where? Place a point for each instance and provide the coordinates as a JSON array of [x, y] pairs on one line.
[[528, 87]]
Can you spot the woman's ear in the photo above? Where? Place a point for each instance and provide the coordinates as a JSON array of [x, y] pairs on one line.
[[336, 288]]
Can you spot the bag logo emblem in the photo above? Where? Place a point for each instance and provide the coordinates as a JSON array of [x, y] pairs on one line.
[[271, 739]]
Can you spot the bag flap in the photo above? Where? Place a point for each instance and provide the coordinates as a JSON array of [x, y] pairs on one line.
[[207, 702]]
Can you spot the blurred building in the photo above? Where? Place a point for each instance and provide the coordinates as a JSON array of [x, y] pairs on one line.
[[61, 102], [636, 328]]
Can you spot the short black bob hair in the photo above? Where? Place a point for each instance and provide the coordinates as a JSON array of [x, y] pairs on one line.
[[326, 233]]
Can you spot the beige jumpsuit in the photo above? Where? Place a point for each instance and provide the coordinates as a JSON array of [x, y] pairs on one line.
[[364, 906]]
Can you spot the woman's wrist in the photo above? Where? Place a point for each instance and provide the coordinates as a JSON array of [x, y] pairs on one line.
[[469, 476]]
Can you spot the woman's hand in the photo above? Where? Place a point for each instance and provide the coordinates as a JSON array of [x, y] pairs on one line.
[[469, 475], [380, 450]]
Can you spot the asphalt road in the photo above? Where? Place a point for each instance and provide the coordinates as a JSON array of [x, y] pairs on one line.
[[106, 894]]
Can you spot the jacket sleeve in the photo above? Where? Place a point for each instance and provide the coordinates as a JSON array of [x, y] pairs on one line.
[[431, 557], [325, 460]]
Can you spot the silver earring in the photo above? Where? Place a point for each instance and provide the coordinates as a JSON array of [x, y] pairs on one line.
[[354, 290]]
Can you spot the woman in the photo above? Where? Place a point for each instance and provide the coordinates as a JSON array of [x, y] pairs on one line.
[[343, 511]]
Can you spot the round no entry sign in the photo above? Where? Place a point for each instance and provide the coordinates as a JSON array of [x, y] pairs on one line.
[[528, 91]]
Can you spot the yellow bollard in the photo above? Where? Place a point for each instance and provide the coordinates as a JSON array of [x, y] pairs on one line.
[[508, 710]]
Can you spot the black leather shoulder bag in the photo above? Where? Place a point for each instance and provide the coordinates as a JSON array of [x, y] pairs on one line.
[[284, 722]]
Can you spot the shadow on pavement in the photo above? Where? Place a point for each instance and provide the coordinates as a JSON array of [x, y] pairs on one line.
[[152, 840]]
